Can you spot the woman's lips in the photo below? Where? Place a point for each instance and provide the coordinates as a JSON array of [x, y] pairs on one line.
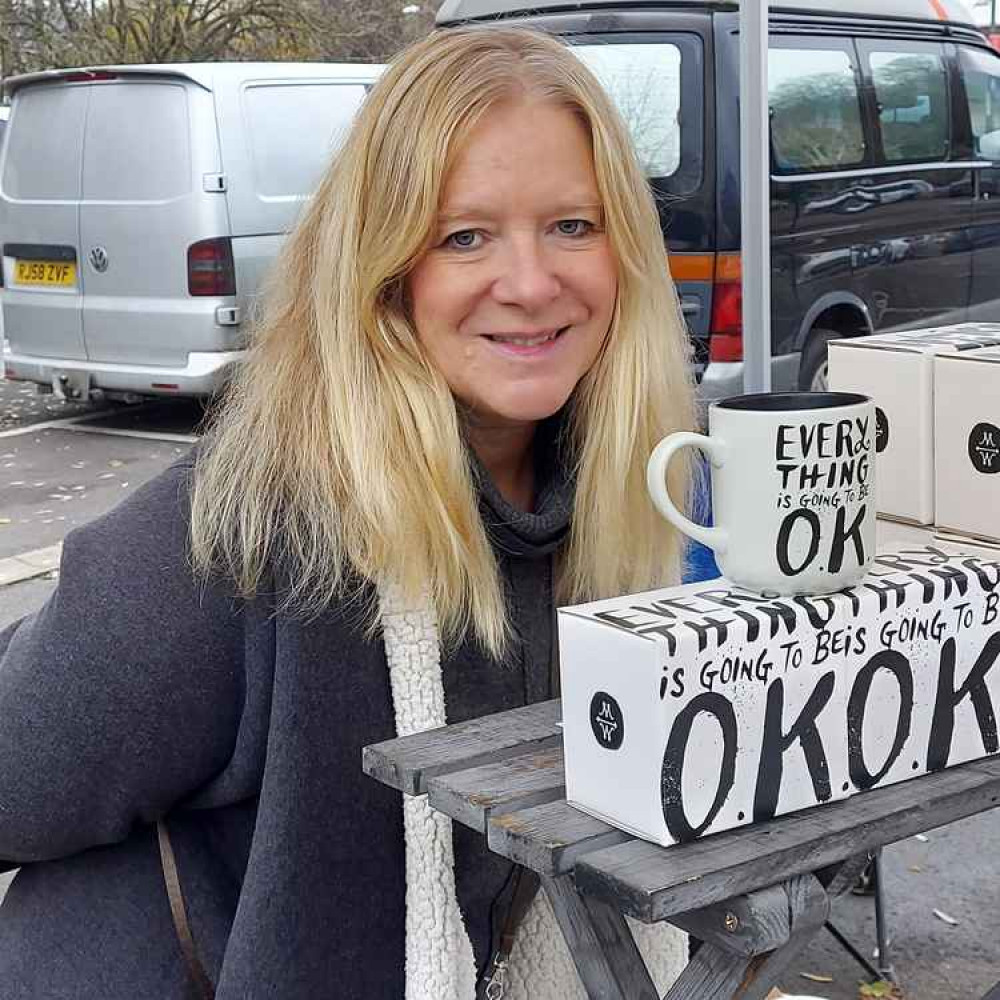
[[521, 346]]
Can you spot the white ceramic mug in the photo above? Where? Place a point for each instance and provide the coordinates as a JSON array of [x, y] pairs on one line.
[[793, 489]]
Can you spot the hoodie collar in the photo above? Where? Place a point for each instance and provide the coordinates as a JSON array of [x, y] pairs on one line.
[[539, 532]]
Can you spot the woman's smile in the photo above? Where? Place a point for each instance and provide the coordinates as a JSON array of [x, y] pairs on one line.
[[527, 345]]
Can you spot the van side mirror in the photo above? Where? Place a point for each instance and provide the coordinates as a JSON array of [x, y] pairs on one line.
[[989, 146]]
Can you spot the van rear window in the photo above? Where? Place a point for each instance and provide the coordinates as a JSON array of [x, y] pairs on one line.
[[138, 145], [41, 162], [293, 130], [656, 85]]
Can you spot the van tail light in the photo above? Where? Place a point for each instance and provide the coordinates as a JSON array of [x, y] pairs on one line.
[[210, 268], [726, 330]]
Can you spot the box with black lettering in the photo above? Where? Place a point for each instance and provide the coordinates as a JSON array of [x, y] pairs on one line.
[[897, 371], [698, 708]]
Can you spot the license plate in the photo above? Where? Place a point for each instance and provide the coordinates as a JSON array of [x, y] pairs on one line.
[[44, 272]]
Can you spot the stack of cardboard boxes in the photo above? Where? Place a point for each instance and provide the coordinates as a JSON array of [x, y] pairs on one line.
[[938, 437]]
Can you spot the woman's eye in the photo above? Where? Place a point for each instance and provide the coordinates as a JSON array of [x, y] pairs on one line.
[[574, 227], [464, 239]]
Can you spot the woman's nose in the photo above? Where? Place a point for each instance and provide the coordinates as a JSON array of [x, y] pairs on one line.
[[527, 276]]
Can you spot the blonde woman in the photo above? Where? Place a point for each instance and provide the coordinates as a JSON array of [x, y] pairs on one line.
[[470, 348]]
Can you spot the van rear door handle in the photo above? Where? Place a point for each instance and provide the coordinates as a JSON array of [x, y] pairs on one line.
[[691, 308]]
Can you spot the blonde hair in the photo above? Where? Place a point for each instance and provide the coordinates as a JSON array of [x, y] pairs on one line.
[[339, 448]]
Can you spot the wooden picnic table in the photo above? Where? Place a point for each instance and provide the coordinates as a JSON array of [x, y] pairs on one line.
[[755, 895]]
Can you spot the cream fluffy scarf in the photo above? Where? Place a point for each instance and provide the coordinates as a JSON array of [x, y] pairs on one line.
[[439, 958]]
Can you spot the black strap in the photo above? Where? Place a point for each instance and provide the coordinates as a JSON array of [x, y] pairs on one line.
[[201, 984], [523, 885], [526, 882], [526, 885]]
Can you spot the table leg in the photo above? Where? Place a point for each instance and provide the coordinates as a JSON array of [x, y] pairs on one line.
[[882, 934], [603, 949], [721, 969]]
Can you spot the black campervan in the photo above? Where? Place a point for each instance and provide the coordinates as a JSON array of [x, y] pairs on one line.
[[885, 162]]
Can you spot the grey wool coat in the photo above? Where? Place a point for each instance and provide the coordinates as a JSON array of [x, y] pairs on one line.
[[139, 692]]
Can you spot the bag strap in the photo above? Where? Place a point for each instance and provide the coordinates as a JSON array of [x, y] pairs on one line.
[[527, 884], [493, 985], [203, 988]]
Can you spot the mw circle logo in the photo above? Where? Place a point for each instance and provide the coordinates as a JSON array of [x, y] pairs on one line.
[[984, 448], [607, 721]]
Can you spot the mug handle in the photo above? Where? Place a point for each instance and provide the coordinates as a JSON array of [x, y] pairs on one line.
[[716, 539]]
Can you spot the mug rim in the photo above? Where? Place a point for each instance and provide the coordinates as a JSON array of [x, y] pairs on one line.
[[790, 402]]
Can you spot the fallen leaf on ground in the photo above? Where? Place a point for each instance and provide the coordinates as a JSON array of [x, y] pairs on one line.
[[922, 837], [814, 977], [915, 868], [881, 989], [116, 463], [4, 520], [946, 918]]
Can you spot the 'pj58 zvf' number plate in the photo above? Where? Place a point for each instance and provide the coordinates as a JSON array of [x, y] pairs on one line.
[[44, 272]]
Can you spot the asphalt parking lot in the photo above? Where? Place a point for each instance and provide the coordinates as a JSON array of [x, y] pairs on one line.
[[63, 464]]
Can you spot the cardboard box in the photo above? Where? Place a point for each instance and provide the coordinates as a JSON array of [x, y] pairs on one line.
[[699, 708], [967, 442], [897, 371]]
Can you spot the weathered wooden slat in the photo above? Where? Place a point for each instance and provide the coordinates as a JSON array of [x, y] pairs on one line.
[[602, 946], [550, 838], [651, 882], [715, 974], [471, 796], [408, 761]]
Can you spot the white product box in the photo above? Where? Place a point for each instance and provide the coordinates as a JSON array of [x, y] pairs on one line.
[[695, 709], [967, 442], [897, 371]]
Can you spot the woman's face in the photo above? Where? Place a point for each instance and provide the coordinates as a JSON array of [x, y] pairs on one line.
[[515, 295]]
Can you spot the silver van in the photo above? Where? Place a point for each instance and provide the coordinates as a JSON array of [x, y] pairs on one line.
[[139, 208]]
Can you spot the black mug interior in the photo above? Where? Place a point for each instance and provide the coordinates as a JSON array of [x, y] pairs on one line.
[[776, 402]]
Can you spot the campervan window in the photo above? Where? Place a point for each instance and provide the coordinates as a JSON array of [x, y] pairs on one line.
[[982, 89], [912, 92], [815, 109], [41, 159], [124, 157], [293, 130], [656, 85]]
